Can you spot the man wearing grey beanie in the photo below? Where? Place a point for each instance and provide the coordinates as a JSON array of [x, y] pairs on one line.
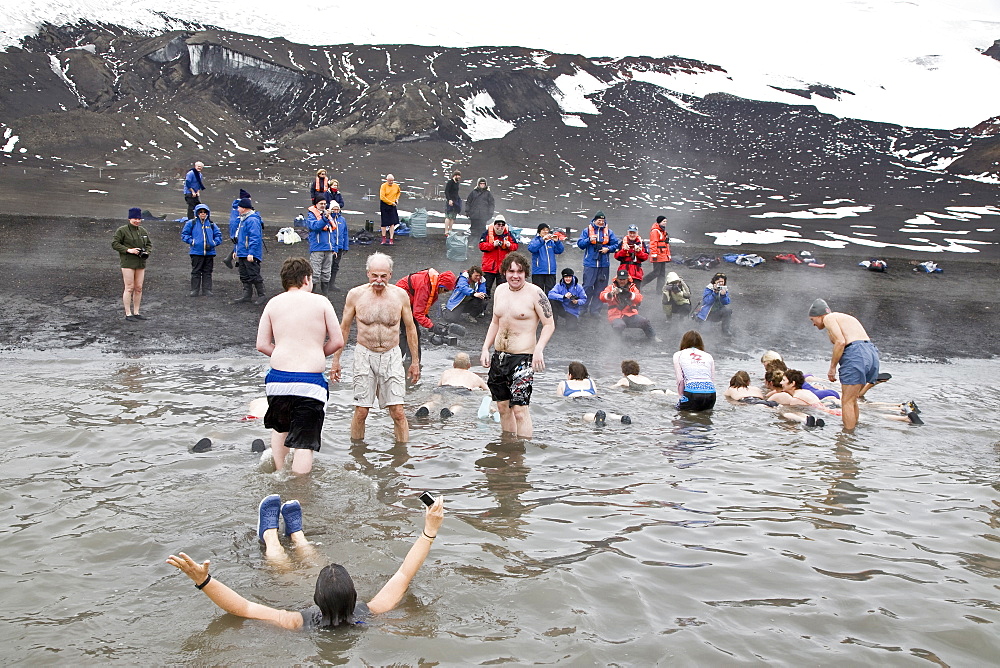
[[853, 351]]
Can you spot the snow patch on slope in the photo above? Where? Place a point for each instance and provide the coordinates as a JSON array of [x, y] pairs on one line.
[[481, 119], [571, 91]]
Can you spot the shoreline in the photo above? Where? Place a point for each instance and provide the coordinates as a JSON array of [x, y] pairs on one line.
[[63, 290]]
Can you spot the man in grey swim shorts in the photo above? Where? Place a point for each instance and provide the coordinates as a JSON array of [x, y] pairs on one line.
[[853, 350], [379, 307]]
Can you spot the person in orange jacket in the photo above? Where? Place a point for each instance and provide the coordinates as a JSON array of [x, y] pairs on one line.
[[496, 243], [623, 299], [424, 287], [659, 251], [631, 254]]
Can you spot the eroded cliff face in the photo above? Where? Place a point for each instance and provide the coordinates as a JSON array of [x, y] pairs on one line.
[[91, 93], [289, 93]]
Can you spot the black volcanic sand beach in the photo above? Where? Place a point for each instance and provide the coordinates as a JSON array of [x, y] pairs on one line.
[[62, 289]]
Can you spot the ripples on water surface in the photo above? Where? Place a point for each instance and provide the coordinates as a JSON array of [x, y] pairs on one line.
[[728, 539]]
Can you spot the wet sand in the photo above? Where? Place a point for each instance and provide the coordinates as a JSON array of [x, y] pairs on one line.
[[62, 289]]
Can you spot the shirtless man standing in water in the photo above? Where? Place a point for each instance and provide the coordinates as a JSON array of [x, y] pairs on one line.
[[378, 364], [853, 351], [297, 331], [518, 307]]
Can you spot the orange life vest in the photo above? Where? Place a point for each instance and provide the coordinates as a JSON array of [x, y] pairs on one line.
[[658, 244], [595, 234]]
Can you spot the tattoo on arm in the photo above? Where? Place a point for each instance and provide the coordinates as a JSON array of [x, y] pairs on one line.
[[543, 301]]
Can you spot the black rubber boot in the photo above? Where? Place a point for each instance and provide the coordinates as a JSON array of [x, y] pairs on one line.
[[247, 294], [261, 299], [206, 285], [323, 287], [195, 286]]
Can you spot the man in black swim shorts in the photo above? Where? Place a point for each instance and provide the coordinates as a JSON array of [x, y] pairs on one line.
[[518, 308], [511, 377]]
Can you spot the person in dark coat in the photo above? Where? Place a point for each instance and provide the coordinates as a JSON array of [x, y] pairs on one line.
[[134, 246], [479, 206], [452, 201]]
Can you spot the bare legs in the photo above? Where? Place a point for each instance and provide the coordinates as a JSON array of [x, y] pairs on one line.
[[276, 555], [448, 222], [515, 419], [400, 427], [302, 459], [849, 405], [132, 296]]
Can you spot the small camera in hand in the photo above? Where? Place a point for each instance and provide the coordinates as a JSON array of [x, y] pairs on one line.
[[144, 254]]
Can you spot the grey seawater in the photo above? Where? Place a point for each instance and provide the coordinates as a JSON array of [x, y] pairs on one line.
[[722, 539]]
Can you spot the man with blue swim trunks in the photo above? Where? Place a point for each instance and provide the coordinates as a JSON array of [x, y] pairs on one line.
[[298, 330], [853, 351]]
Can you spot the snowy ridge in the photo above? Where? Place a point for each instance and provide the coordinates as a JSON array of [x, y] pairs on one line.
[[917, 63]]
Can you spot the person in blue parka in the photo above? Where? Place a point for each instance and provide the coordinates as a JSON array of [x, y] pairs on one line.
[[327, 228], [599, 244], [468, 299], [544, 248], [714, 306], [568, 298], [234, 224], [203, 236], [249, 251]]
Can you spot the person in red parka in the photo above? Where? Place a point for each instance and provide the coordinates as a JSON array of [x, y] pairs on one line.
[[659, 251], [423, 287], [632, 253], [495, 243], [623, 299]]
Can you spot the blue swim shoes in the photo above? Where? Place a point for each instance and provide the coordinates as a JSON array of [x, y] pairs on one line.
[[267, 514], [292, 512]]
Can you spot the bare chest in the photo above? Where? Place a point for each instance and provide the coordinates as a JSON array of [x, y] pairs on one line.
[[375, 311]]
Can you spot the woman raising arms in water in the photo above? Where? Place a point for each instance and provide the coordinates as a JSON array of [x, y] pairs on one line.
[[335, 598]]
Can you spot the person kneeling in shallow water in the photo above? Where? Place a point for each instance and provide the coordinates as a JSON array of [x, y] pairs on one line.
[[335, 598]]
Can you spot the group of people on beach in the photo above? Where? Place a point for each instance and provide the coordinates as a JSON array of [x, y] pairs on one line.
[[299, 329]]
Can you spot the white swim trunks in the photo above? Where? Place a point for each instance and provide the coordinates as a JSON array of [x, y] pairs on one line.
[[378, 376]]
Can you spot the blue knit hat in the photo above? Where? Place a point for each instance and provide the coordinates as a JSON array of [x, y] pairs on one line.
[[135, 212], [245, 203], [244, 194]]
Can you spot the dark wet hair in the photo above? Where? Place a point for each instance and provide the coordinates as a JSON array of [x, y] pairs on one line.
[[521, 262], [294, 271], [692, 339], [475, 269], [317, 199], [740, 379], [335, 595], [630, 368], [577, 371], [796, 378], [718, 276], [773, 377], [775, 364]]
